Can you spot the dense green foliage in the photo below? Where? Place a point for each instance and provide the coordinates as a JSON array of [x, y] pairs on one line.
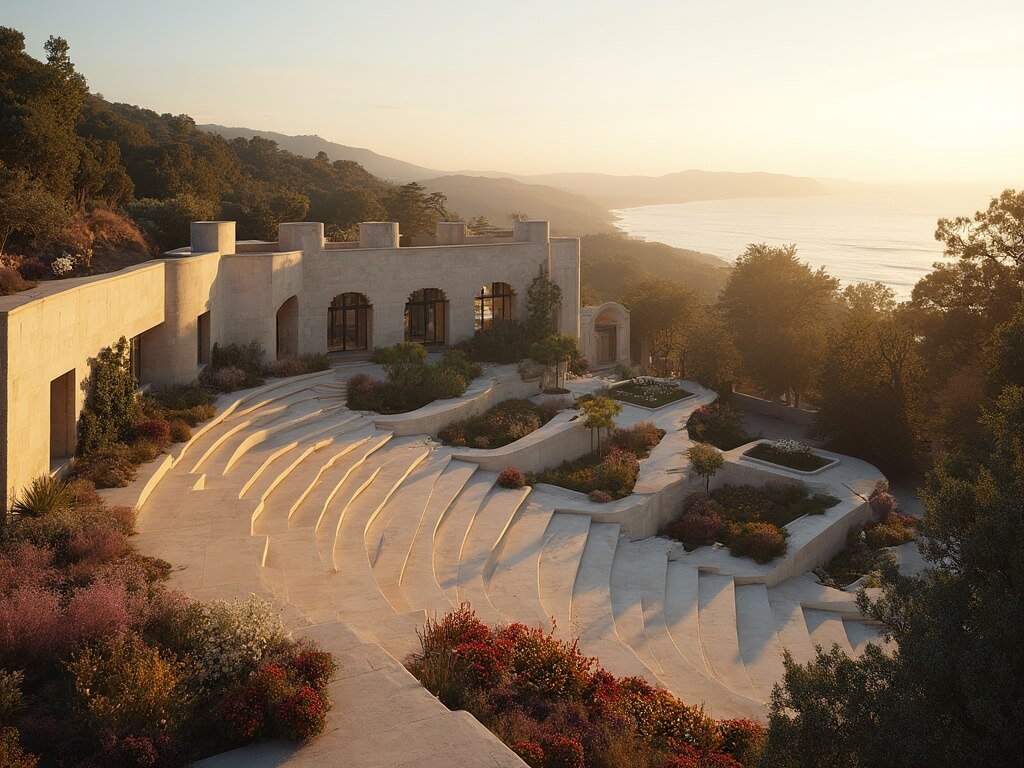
[[951, 690], [412, 382], [64, 150], [110, 410]]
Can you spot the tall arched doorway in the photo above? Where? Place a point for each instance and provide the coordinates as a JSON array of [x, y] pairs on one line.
[[426, 316], [286, 328], [348, 323], [493, 303]]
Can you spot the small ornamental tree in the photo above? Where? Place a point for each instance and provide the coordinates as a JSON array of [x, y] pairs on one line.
[[705, 460], [111, 410], [543, 300], [555, 352], [600, 413]]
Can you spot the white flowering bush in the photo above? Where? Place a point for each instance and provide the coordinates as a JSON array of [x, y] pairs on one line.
[[235, 639], [791, 446], [62, 265]]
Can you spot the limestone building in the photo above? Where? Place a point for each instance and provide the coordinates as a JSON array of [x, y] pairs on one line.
[[294, 296]]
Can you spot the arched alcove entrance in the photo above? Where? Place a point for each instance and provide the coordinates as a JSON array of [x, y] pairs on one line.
[[605, 334], [287, 328]]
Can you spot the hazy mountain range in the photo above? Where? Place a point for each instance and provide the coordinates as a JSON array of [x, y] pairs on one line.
[[578, 202]]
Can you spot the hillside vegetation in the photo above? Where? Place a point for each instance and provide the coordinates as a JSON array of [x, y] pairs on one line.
[[495, 199], [612, 264]]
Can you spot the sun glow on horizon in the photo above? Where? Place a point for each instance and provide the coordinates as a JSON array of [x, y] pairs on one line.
[[919, 92]]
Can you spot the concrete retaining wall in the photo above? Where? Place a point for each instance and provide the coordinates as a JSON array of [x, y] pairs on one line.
[[775, 410]]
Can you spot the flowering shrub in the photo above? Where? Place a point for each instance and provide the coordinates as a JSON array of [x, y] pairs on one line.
[[788, 453], [313, 666], [649, 392], [882, 502], [761, 542], [62, 265], [229, 378], [504, 423], [157, 431], [32, 268], [895, 530], [234, 638], [599, 496], [110, 467], [150, 672], [181, 432], [511, 478], [555, 707], [301, 716], [579, 366], [296, 365], [125, 686], [697, 526]]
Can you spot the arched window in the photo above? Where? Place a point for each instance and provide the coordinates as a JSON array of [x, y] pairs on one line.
[[426, 316], [348, 322], [494, 302]]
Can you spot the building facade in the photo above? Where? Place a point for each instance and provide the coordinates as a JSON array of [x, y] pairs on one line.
[[298, 295]]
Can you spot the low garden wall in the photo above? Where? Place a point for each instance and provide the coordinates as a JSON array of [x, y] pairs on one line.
[[557, 441], [775, 410]]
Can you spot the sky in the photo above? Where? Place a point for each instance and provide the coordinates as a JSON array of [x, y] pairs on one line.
[[901, 90]]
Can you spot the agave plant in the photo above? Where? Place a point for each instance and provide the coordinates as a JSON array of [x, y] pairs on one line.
[[45, 494]]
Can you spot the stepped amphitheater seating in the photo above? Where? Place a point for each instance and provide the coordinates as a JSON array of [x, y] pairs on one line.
[[360, 535]]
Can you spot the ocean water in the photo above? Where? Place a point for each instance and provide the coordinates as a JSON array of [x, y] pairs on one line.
[[886, 237]]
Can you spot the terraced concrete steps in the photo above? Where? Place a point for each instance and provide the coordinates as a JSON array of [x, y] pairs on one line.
[[514, 585], [760, 647], [718, 635], [558, 563], [486, 531], [312, 500], [453, 529], [682, 600], [416, 585], [638, 571], [826, 629]]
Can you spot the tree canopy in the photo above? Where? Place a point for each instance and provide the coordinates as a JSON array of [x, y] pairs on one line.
[[776, 307], [951, 689]]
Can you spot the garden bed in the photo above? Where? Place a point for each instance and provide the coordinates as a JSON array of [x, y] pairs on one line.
[[750, 521], [115, 669], [789, 454], [867, 550], [719, 424], [411, 382], [610, 472], [554, 706], [501, 425], [649, 393]]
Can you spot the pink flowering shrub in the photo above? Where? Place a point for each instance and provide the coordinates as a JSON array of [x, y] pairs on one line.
[[554, 706]]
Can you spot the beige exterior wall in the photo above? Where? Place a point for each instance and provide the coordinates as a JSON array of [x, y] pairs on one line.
[[56, 328]]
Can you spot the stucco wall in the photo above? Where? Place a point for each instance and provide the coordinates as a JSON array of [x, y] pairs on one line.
[[60, 325], [57, 328]]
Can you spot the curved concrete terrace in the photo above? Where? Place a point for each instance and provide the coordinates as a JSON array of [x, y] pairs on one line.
[[358, 529]]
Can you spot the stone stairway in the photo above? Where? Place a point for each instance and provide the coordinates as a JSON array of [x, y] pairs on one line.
[[344, 525]]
